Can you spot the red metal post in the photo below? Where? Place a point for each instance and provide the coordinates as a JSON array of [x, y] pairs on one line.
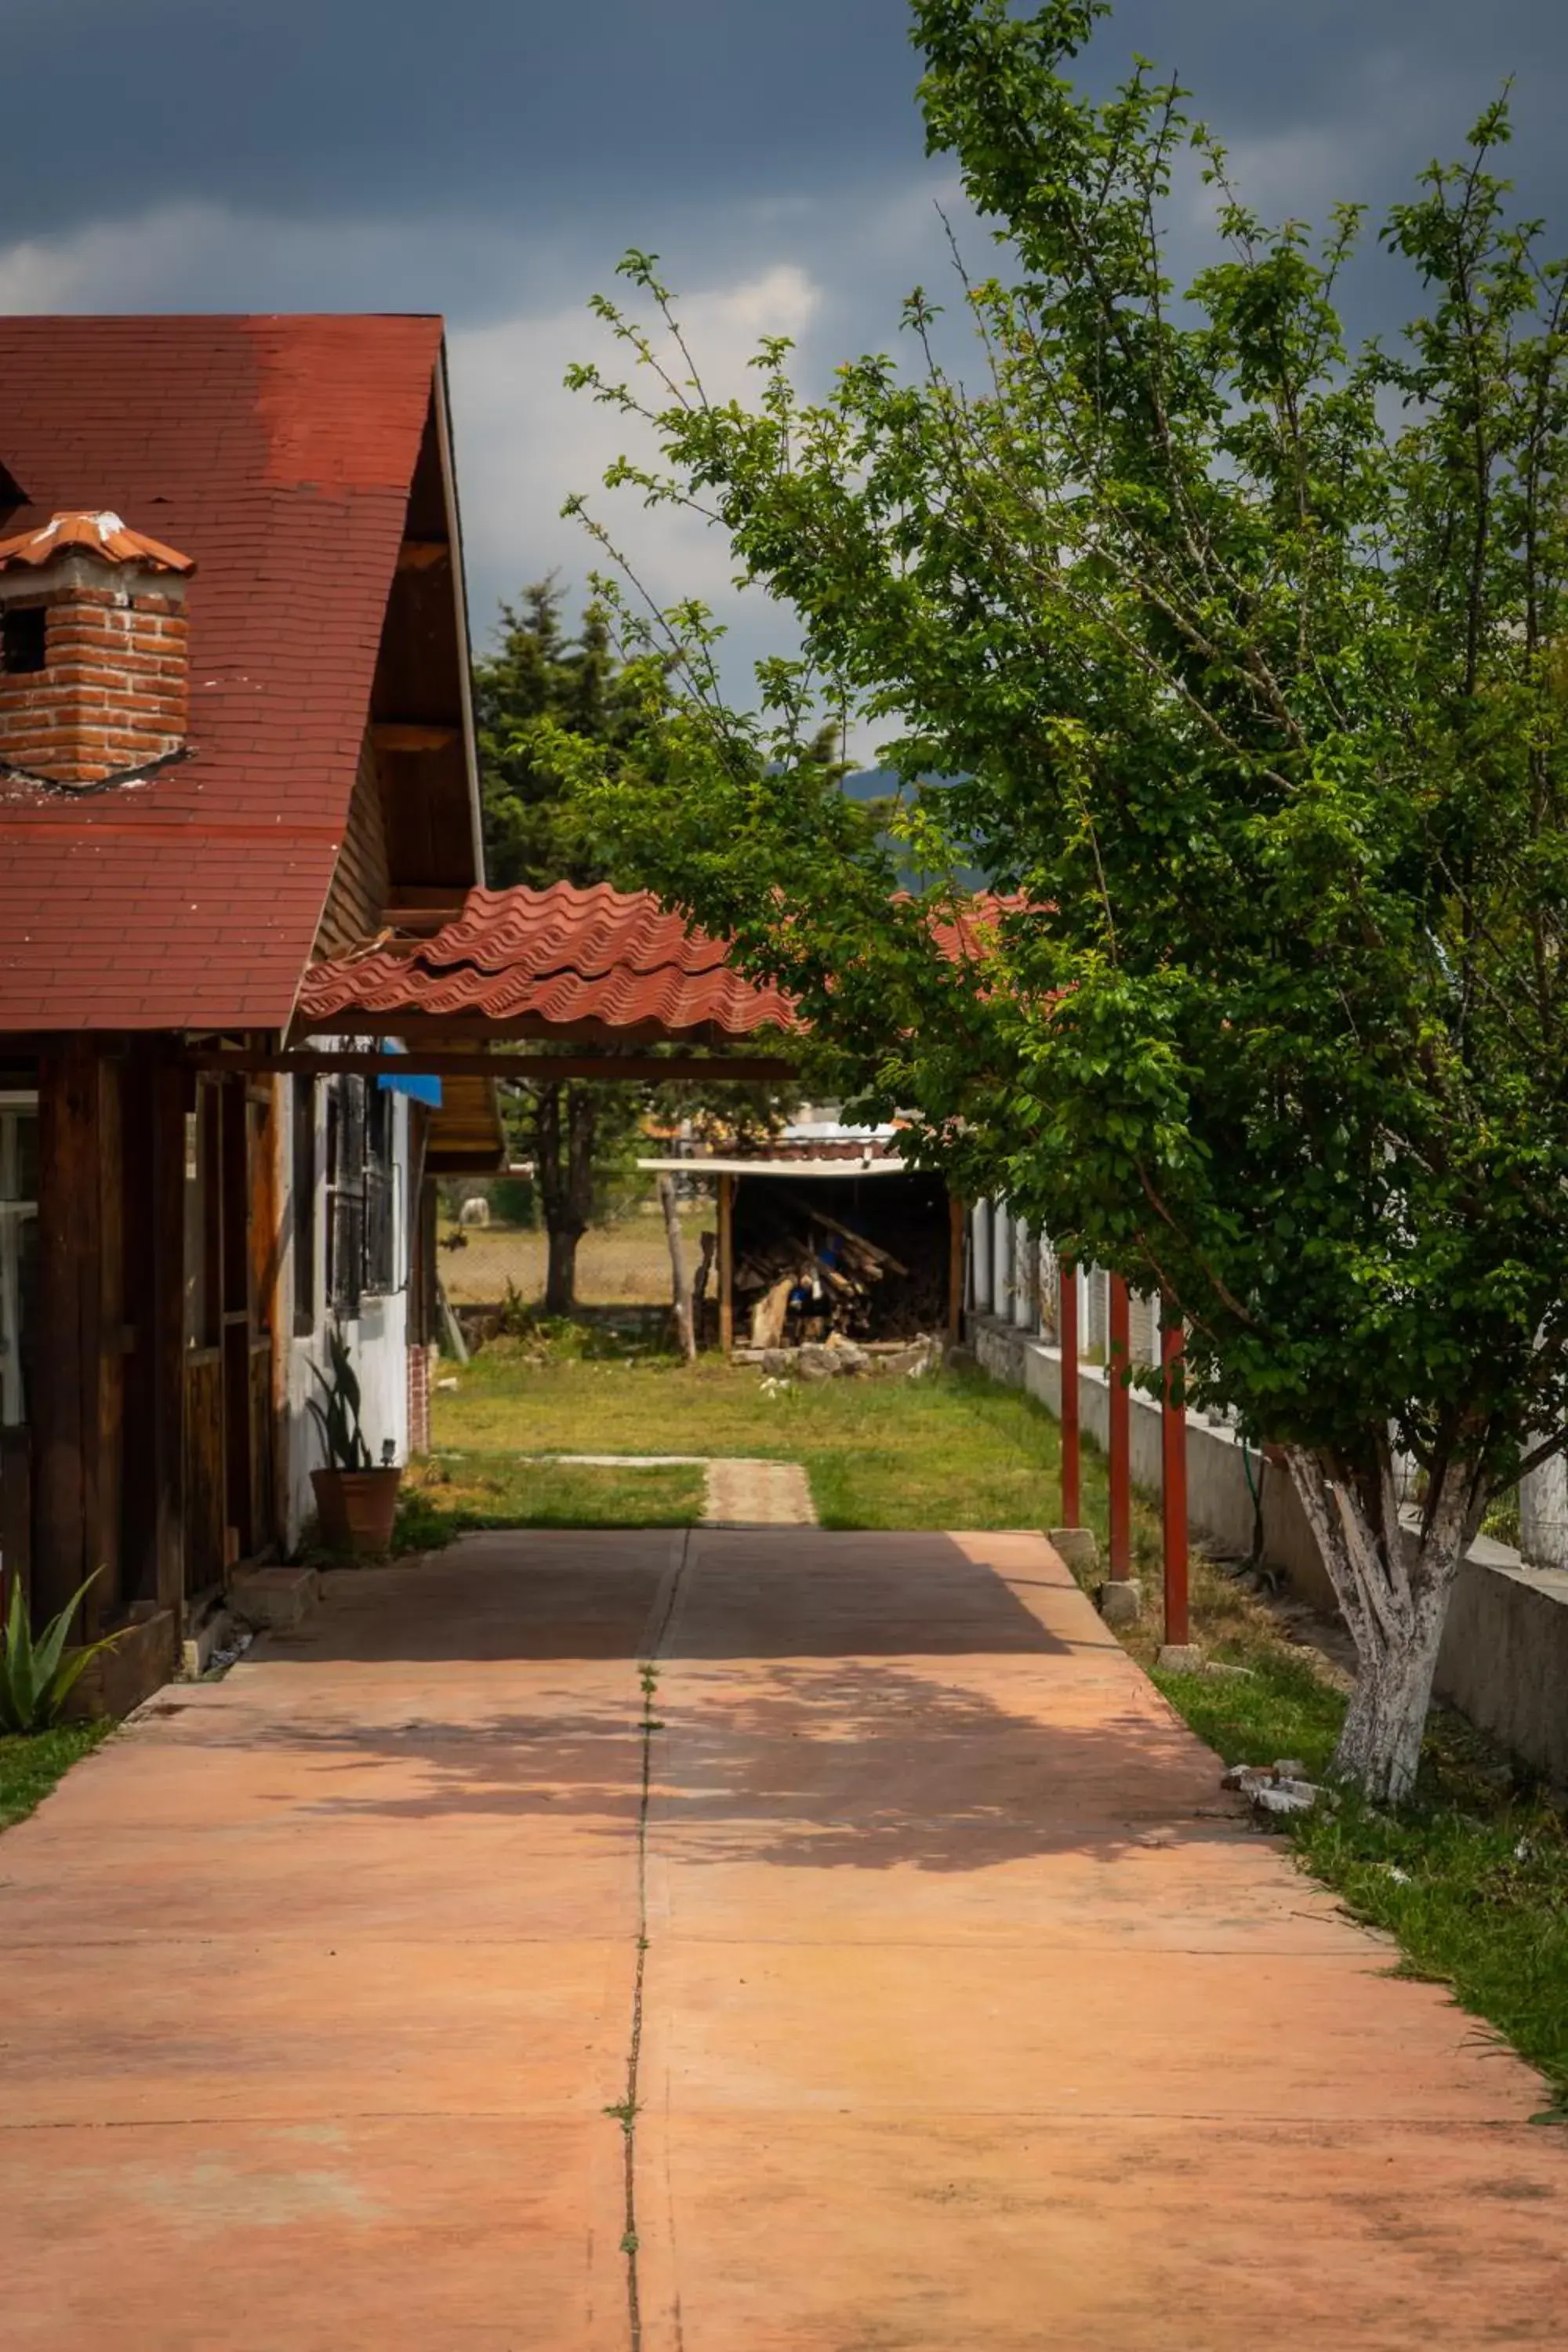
[[1120, 1463], [1174, 1478], [1067, 1336]]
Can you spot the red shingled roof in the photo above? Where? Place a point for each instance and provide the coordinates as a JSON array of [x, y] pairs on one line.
[[601, 962], [598, 961], [277, 454]]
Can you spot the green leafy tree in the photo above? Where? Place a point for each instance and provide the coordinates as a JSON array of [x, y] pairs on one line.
[[1247, 649], [540, 685], [535, 831]]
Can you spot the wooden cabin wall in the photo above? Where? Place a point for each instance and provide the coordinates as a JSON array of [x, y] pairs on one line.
[[108, 1598], [152, 1453], [153, 1129], [205, 1466], [232, 1245], [360, 888], [266, 1249], [64, 1407], [15, 1513]]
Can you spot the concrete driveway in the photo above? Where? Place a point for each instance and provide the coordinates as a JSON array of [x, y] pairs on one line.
[[738, 1941]]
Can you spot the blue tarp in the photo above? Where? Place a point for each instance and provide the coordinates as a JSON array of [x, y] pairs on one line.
[[424, 1090]]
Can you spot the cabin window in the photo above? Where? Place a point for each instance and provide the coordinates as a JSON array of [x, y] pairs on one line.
[[18, 1251], [345, 1195], [24, 643], [361, 1230], [379, 1219]]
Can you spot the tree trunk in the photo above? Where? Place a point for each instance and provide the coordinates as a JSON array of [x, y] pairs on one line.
[[565, 1128], [683, 1319], [1394, 1589], [561, 1273]]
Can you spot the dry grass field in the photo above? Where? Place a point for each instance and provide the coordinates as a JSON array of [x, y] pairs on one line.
[[624, 1264]]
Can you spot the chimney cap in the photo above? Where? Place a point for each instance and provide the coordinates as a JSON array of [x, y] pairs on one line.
[[102, 535]]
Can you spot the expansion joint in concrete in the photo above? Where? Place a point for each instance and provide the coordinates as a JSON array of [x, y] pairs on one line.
[[626, 2115]]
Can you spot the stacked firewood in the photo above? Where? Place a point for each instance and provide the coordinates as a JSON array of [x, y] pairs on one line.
[[817, 1276]]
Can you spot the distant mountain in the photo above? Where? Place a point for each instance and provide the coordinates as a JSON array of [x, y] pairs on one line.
[[871, 785]]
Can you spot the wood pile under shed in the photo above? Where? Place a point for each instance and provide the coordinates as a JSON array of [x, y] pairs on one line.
[[802, 1273], [812, 1249]]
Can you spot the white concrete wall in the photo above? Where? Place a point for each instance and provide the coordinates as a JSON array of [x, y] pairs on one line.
[[1504, 1661], [1001, 1259], [377, 1337], [979, 1257], [1026, 1276], [1544, 1514], [1094, 1325], [1142, 1328]]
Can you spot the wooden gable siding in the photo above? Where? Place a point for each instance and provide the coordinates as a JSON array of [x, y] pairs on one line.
[[360, 881]]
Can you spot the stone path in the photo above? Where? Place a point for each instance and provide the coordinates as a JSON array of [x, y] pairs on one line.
[[742, 1494], [958, 2012]]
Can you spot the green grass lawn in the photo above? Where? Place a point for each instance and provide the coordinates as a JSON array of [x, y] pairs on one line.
[[1471, 1877], [30, 1765], [454, 1493], [951, 1450]]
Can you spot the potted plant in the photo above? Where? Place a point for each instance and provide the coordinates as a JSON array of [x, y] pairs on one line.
[[356, 1498]]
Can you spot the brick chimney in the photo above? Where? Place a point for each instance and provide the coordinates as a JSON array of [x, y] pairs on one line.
[[94, 673]]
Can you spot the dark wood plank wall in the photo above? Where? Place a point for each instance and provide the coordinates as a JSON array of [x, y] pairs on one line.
[[65, 1403], [231, 1403], [265, 1244], [109, 1596], [361, 883], [173, 1097], [15, 1513], [205, 1512], [240, 1534]]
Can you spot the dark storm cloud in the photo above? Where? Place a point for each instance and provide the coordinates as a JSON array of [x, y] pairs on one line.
[[313, 105], [491, 158], [586, 109]]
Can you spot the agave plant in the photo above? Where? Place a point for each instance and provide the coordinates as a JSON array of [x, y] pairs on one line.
[[337, 1410], [37, 1678]]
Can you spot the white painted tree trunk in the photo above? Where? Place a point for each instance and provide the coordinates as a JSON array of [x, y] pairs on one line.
[[1394, 1591]]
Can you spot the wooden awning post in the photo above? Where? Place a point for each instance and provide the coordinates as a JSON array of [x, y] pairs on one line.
[[1119, 1364], [726, 1263], [1072, 1448], [1173, 1474]]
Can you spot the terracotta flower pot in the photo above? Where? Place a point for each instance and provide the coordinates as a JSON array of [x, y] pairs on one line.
[[356, 1509]]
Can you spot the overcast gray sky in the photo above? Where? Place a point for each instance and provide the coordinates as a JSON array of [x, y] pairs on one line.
[[491, 159]]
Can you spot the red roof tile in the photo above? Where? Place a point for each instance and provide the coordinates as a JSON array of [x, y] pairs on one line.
[[277, 452], [603, 962], [102, 535]]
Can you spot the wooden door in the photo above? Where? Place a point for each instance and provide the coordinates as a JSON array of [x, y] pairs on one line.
[[205, 1481]]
